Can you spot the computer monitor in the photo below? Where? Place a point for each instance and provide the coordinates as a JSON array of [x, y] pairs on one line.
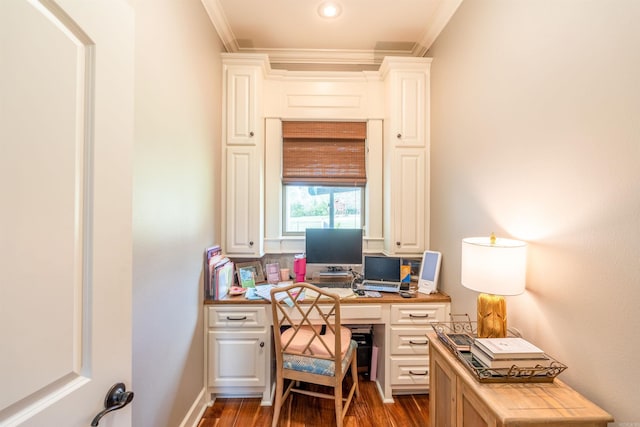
[[333, 248]]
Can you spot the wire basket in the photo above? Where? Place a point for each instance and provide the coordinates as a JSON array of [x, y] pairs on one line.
[[484, 374]]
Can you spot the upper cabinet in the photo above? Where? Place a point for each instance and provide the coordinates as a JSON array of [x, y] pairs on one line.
[[394, 101], [243, 117], [242, 151], [407, 107], [406, 160]]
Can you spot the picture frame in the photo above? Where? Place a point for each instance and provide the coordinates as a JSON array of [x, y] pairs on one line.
[[273, 272], [249, 273]]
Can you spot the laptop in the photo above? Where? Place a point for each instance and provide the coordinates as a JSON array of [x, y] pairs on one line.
[[381, 274]]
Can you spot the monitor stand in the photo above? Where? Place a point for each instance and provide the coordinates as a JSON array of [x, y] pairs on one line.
[[335, 273]]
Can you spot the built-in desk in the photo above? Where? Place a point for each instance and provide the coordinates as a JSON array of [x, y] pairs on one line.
[[239, 358], [457, 399]]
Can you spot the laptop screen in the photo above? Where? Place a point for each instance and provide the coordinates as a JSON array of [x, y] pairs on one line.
[[382, 268]]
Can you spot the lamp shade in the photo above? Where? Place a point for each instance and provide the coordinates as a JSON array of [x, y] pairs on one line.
[[494, 266]]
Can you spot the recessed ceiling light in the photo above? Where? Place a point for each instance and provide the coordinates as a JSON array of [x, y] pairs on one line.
[[329, 10]]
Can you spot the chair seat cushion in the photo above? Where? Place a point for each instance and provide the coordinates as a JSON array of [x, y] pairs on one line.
[[314, 365], [321, 345]]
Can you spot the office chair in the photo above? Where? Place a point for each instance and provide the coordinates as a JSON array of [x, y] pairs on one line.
[[311, 346]]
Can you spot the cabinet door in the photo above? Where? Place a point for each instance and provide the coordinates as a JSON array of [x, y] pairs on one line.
[[409, 117], [442, 392], [408, 201], [471, 412], [243, 202], [243, 126], [237, 358]]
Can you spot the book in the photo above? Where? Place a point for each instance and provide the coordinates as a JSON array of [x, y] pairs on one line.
[[461, 341], [508, 348], [223, 279], [489, 362]]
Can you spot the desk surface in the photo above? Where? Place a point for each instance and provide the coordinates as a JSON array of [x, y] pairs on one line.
[[386, 298]]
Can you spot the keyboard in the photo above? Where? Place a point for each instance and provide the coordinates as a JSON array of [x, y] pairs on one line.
[[332, 284], [381, 286]]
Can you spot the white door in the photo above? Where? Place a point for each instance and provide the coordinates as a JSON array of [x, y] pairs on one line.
[[66, 136]]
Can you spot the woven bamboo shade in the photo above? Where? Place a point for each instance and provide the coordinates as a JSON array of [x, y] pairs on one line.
[[324, 153]]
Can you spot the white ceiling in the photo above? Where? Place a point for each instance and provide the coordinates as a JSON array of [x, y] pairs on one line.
[[292, 33]]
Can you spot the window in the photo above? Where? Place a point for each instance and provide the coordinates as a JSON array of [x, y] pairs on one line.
[[321, 207], [323, 175]]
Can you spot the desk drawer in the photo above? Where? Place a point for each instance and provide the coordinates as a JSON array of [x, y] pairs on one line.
[[409, 341], [417, 314], [348, 313], [224, 316], [407, 371]]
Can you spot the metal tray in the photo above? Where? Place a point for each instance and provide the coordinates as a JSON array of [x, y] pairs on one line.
[[484, 374]]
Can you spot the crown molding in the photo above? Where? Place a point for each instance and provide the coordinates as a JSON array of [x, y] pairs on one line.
[[327, 56], [220, 23], [440, 19]]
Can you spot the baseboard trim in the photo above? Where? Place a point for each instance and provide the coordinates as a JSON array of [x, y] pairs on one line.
[[192, 418]]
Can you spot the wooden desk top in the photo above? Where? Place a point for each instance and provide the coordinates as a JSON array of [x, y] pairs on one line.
[[386, 298], [527, 403]]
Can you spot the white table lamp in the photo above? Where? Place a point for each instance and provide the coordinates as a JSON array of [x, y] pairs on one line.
[[495, 267]]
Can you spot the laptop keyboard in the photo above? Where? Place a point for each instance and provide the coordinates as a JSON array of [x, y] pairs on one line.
[[381, 286]]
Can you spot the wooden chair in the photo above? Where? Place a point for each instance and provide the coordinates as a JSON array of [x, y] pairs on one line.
[[311, 346]]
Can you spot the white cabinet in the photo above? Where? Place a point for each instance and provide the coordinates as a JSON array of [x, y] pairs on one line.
[[406, 161], [406, 200], [243, 154], [409, 346], [243, 122], [407, 91], [238, 353], [244, 201]]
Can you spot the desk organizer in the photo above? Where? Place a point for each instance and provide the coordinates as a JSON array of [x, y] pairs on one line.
[[484, 374]]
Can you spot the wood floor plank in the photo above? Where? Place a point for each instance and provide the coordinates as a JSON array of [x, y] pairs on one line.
[[306, 411]]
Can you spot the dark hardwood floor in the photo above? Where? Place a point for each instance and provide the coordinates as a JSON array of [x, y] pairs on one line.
[[305, 411]]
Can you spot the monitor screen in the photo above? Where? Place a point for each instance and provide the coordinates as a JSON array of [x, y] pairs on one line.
[[333, 246], [382, 268]]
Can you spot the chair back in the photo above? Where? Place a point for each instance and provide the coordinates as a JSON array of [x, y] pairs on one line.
[[306, 323]]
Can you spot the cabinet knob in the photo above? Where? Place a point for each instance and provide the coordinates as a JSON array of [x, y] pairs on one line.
[[397, 243], [250, 133], [261, 344], [251, 243], [399, 136]]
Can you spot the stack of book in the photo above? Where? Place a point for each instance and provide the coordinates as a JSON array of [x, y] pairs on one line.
[[499, 353], [218, 273]]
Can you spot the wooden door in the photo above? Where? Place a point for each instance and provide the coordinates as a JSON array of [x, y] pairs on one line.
[[66, 136]]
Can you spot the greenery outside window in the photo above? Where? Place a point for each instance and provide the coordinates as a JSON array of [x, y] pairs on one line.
[[323, 175], [321, 207]]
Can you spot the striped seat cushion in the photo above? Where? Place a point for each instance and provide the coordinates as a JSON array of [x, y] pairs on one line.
[[313, 365]]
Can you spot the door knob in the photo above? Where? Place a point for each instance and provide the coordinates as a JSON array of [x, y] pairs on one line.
[[117, 398]]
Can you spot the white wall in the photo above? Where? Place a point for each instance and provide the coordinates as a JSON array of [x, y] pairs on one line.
[[176, 202], [536, 136]]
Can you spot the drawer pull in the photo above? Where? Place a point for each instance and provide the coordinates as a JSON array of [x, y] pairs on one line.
[[421, 316], [412, 342], [236, 318], [424, 373]]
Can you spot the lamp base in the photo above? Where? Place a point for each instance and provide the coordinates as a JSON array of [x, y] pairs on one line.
[[492, 316]]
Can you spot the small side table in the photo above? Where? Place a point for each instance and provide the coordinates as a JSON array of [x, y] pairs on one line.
[[457, 399]]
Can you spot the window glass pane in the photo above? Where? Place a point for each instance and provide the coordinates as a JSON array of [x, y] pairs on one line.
[[321, 207]]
